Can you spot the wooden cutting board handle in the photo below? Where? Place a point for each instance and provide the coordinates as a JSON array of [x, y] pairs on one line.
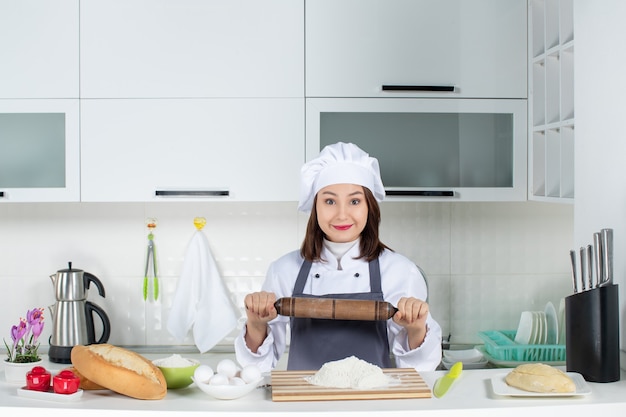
[[335, 309]]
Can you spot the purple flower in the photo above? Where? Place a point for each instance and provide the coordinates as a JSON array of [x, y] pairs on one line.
[[17, 332], [35, 322]]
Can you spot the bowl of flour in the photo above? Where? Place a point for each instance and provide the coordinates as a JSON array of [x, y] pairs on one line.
[[177, 370]]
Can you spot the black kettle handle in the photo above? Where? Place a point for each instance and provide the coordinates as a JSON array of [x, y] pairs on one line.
[[87, 278], [90, 308]]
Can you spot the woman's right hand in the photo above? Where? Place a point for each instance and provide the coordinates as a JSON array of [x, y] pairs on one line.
[[260, 307], [259, 310]]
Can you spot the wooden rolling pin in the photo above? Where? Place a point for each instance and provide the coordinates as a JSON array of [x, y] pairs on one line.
[[334, 309]]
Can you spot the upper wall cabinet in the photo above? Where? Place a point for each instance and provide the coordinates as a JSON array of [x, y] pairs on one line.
[[192, 48], [205, 149], [417, 48], [39, 150], [39, 49]]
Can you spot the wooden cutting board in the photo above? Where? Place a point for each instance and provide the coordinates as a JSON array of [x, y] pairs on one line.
[[293, 386]]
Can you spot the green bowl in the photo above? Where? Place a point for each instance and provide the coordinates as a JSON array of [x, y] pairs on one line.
[[179, 377]]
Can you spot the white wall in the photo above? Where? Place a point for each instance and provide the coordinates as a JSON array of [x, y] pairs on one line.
[[486, 262], [600, 68]]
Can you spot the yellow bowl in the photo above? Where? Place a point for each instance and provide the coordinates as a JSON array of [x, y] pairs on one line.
[[178, 377]]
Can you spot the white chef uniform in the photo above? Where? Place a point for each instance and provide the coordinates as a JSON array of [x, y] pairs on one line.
[[400, 278]]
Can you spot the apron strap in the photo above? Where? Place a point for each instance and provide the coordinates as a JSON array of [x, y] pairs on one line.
[[298, 287], [375, 285]]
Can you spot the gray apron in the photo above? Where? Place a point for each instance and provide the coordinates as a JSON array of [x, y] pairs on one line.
[[317, 341]]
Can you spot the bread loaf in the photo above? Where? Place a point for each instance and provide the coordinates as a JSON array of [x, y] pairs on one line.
[[85, 383], [120, 370], [539, 377]]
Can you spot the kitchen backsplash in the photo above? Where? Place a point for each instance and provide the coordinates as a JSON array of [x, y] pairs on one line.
[[485, 262]]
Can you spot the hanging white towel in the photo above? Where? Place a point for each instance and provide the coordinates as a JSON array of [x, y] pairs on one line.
[[201, 300]]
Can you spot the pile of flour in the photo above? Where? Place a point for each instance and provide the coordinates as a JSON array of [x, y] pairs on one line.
[[350, 372], [174, 361]]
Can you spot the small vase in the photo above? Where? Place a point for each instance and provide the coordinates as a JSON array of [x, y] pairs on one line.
[[15, 373]]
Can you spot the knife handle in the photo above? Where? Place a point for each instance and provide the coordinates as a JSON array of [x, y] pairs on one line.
[[334, 309], [598, 253], [607, 256]]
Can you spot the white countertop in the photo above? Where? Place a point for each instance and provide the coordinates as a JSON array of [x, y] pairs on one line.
[[472, 393]]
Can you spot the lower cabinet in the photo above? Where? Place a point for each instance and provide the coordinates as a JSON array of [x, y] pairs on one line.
[[204, 149]]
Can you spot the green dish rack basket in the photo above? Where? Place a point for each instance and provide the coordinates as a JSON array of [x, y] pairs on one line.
[[501, 345]]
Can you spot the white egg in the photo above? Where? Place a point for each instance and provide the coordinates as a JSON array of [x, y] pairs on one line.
[[237, 381], [218, 379], [250, 373], [203, 373], [227, 367]]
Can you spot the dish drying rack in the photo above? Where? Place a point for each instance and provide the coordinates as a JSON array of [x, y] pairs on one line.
[[501, 346]]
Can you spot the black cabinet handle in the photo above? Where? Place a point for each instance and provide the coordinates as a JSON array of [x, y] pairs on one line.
[[1, 194], [191, 193], [419, 193], [445, 88]]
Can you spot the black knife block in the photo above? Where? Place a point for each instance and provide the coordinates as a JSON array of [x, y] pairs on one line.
[[592, 334]]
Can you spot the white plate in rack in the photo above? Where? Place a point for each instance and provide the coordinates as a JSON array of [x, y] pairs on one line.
[[552, 321], [525, 328], [500, 387]]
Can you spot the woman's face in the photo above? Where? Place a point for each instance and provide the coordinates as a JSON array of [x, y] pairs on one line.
[[341, 212]]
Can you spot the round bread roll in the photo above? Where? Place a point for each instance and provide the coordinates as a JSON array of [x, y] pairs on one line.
[[120, 370], [539, 377], [85, 383]]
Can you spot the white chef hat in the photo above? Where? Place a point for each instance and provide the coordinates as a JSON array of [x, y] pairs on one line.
[[340, 163]]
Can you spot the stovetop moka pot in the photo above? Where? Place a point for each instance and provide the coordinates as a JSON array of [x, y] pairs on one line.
[[72, 314]]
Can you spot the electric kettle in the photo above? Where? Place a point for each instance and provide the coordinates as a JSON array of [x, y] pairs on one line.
[[72, 314]]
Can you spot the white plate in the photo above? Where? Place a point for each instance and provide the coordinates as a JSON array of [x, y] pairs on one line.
[[561, 338], [534, 334], [552, 321], [500, 387], [541, 328], [227, 392], [49, 395], [464, 355], [466, 365], [525, 328]]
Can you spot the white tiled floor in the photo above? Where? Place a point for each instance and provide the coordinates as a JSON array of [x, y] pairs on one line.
[[485, 262]]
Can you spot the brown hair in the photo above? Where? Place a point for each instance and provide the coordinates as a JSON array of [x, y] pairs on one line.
[[371, 246]]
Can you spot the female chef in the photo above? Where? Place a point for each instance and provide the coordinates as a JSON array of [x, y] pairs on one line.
[[341, 257]]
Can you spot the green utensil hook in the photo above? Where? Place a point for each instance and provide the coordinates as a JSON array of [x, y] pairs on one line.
[[151, 259]]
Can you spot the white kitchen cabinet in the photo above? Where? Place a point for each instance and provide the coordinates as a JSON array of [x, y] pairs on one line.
[[230, 149], [39, 150], [39, 49], [551, 100], [192, 48], [431, 149], [477, 48]]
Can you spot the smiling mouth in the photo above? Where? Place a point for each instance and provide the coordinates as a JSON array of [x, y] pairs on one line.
[[343, 227]]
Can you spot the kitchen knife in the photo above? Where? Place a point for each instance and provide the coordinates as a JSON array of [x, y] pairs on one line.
[[583, 268], [572, 257], [598, 255], [334, 309], [607, 258], [589, 266], [443, 384]]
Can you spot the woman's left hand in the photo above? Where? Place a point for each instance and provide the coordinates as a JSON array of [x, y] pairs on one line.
[[411, 315]]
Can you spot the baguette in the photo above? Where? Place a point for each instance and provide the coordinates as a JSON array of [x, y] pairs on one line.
[[539, 377], [120, 370]]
